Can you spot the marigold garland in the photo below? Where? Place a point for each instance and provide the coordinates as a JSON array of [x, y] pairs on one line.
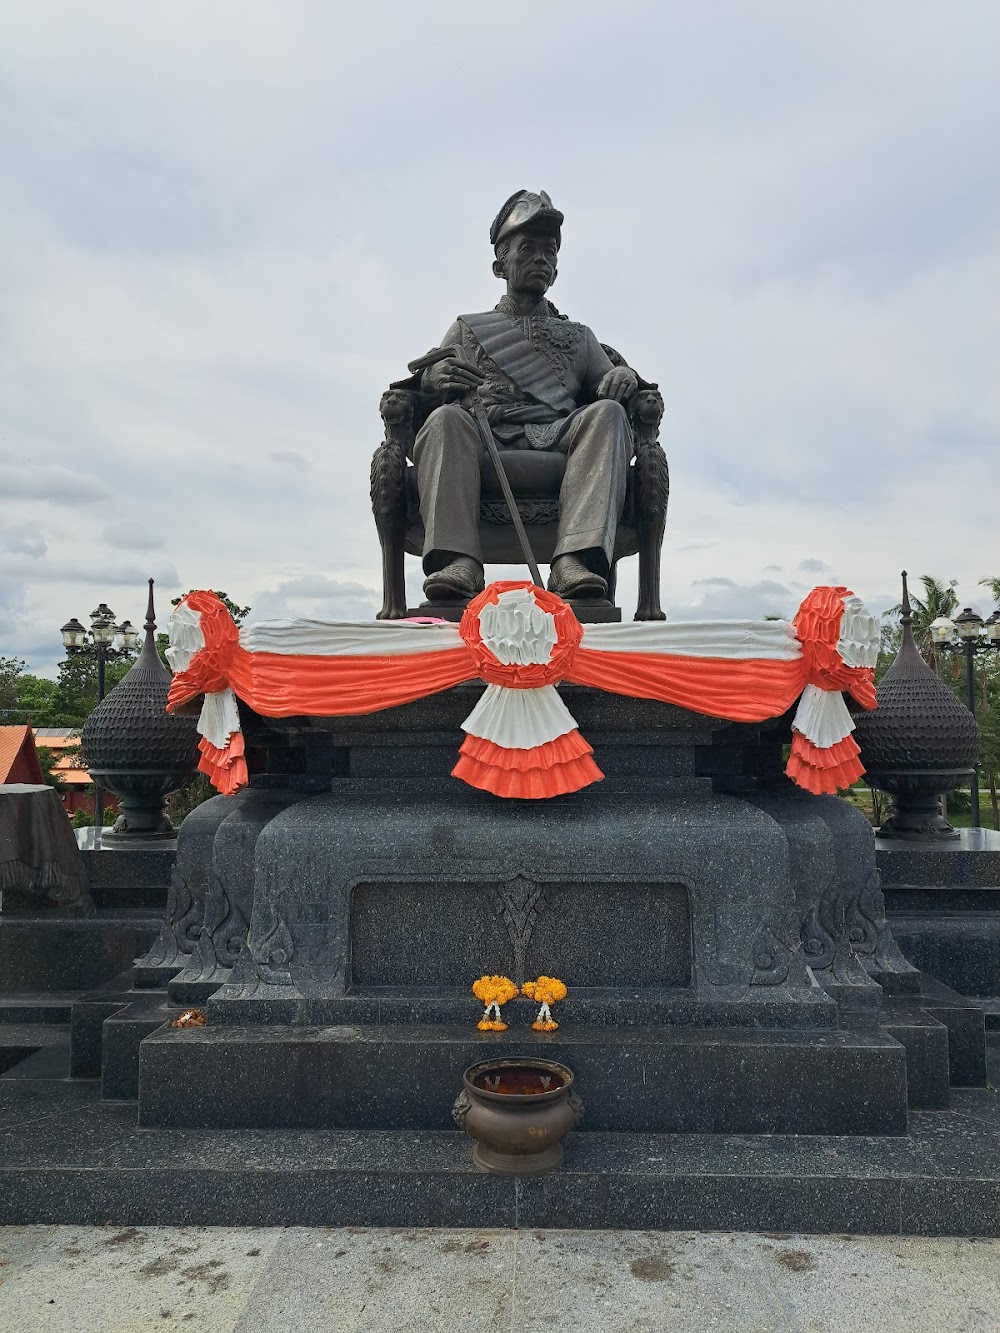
[[545, 991], [190, 1018], [493, 991]]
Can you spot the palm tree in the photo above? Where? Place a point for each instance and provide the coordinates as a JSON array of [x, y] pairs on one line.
[[939, 599], [994, 587]]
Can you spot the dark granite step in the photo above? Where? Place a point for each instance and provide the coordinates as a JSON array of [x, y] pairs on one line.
[[646, 1078], [593, 1006], [45, 1007], [58, 953], [129, 877], [68, 1158], [20, 1041], [123, 1033], [89, 1014]]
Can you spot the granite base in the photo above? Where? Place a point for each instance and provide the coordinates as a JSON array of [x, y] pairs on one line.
[[50, 953], [944, 905], [655, 1079], [66, 1157]]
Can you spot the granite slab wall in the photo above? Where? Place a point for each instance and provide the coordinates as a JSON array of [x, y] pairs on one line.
[[944, 905]]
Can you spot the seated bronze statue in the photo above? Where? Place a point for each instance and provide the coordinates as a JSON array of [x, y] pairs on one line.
[[577, 434]]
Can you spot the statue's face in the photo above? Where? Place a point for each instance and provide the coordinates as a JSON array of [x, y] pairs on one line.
[[531, 262]]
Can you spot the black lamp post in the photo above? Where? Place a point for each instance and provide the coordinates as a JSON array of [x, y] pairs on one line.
[[104, 635], [969, 634]]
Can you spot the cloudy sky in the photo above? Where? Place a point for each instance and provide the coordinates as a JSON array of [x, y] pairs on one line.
[[224, 227]]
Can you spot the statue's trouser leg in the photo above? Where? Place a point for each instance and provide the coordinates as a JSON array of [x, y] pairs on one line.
[[446, 456], [598, 443]]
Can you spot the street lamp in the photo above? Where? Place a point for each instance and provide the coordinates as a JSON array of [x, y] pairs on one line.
[[970, 635], [105, 635]]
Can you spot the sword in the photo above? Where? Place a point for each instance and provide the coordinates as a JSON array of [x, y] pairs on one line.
[[486, 431]]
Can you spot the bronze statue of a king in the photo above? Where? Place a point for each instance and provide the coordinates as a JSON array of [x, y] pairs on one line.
[[545, 385]]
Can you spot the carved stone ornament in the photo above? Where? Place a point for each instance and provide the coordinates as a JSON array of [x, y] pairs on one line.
[[180, 927], [518, 905], [272, 951], [531, 511], [137, 749], [919, 744]]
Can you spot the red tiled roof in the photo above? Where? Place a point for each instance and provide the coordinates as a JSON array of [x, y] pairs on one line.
[[15, 766], [70, 769]]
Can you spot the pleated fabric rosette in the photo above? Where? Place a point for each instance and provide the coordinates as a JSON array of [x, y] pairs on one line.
[[840, 643], [521, 740], [198, 631]]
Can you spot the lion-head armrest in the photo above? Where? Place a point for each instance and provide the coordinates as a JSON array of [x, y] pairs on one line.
[[644, 406]]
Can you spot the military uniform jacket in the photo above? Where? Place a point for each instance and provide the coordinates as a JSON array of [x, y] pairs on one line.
[[539, 367]]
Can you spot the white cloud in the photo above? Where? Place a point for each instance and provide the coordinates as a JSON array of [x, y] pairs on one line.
[[23, 539], [227, 229], [132, 534]]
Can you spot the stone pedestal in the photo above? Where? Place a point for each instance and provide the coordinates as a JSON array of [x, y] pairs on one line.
[[189, 885], [721, 933]]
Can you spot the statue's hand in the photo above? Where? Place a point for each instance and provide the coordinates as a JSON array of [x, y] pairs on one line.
[[618, 383], [453, 376]]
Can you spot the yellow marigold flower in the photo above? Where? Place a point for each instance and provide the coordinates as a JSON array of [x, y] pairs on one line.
[[546, 990], [494, 990]]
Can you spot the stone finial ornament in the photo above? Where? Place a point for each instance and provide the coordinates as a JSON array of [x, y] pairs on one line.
[[138, 750], [919, 744]]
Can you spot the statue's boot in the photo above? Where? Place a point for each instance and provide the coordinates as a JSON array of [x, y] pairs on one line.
[[458, 581], [570, 577]]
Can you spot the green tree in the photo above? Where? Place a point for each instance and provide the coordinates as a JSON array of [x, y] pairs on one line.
[[994, 587], [189, 797], [48, 760], [238, 613], [75, 696], [11, 673], [38, 703]]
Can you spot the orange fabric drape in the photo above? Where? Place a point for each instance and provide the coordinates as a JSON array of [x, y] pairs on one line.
[[829, 770], [739, 689], [225, 769], [278, 685], [553, 769]]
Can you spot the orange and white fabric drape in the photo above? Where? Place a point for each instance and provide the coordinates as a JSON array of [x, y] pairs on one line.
[[521, 740]]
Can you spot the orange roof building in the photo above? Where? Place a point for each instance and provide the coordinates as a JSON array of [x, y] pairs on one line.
[[77, 784], [18, 756]]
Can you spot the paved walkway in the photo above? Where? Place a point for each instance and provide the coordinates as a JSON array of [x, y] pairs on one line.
[[333, 1280]]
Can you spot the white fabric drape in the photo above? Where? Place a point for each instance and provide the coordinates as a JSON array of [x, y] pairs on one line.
[[772, 639], [322, 638], [519, 719]]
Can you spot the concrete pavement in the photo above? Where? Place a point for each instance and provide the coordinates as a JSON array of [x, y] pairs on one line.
[[351, 1280]]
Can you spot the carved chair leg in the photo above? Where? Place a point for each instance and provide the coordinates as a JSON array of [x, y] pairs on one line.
[[393, 584], [388, 492], [650, 542]]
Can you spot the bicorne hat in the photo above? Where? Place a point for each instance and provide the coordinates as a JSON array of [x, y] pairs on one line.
[[524, 211]]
